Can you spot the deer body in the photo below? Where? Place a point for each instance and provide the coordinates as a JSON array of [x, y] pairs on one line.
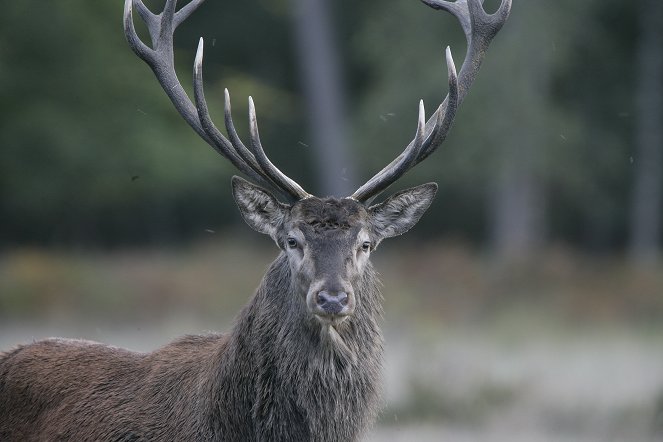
[[281, 374], [78, 390], [303, 361], [266, 380]]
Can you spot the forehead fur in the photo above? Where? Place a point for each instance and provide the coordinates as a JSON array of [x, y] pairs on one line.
[[322, 214]]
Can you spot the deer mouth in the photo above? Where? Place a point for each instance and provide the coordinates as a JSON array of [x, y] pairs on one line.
[[333, 320]]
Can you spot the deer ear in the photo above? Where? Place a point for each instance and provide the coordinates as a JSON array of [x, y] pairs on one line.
[[258, 207], [401, 211]]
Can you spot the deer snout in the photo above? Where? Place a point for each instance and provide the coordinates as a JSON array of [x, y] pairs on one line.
[[332, 303]]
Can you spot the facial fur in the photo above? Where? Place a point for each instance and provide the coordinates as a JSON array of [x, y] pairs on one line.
[[327, 241], [328, 244]]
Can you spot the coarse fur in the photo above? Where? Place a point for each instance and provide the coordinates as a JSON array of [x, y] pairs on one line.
[[281, 374], [270, 379]]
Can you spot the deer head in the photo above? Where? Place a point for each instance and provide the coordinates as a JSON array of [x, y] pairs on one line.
[[328, 241]]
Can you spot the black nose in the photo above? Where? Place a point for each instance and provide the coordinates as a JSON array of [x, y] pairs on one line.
[[332, 303]]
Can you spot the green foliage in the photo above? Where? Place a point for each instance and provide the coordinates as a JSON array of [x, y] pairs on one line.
[[92, 151], [546, 98]]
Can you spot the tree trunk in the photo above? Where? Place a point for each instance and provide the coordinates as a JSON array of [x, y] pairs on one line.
[[321, 79], [647, 191], [518, 190], [518, 208]]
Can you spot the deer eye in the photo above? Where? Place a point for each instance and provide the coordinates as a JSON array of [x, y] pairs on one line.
[[366, 246], [292, 243]]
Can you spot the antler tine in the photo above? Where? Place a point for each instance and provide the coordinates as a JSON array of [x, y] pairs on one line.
[[270, 169], [230, 128], [147, 16], [259, 162], [480, 28], [136, 44], [160, 58], [394, 170], [421, 146], [186, 11], [444, 118], [234, 137], [238, 155]]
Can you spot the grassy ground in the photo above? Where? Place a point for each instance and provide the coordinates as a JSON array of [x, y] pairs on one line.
[[562, 348]]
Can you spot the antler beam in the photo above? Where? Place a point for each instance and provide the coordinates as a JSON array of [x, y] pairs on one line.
[[480, 28], [252, 161]]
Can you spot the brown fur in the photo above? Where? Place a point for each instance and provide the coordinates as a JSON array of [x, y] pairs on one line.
[[280, 374], [105, 391]]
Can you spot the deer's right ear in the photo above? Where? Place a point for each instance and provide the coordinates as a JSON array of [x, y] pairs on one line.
[[259, 208]]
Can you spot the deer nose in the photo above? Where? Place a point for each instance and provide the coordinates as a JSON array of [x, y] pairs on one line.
[[332, 303]]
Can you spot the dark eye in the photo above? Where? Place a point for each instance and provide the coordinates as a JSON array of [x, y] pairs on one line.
[[292, 243], [366, 246]]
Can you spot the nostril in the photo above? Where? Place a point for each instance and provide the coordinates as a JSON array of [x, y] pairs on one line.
[[332, 302], [322, 297]]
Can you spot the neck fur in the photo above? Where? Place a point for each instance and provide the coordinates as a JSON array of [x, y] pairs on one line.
[[302, 377]]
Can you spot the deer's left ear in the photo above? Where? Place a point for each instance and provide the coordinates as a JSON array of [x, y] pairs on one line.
[[401, 211], [259, 208]]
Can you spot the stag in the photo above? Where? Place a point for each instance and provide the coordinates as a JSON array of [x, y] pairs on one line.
[[303, 360]]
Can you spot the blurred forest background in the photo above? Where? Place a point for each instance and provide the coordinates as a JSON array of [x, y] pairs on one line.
[[531, 293]]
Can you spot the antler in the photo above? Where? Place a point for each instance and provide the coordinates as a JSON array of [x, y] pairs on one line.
[[251, 161], [480, 28]]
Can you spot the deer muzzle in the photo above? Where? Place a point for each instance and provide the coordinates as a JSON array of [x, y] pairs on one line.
[[330, 304]]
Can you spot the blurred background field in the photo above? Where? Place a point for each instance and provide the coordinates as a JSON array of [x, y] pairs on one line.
[[526, 306], [564, 349]]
